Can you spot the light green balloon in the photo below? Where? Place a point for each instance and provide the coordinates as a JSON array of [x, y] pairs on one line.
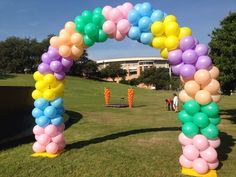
[[191, 107], [90, 30], [201, 120], [87, 16], [211, 109], [215, 120], [184, 117], [211, 131], [80, 27], [88, 41], [102, 36], [97, 10], [190, 129]]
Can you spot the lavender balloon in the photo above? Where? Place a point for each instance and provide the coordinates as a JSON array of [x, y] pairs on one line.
[[45, 58], [67, 63], [56, 66], [201, 49], [53, 53], [186, 43], [175, 56], [189, 56], [187, 71], [196, 41], [176, 68], [204, 62], [60, 75], [44, 68]]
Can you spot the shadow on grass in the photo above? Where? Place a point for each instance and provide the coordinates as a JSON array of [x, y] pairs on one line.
[[81, 144], [73, 117], [6, 76], [230, 113]]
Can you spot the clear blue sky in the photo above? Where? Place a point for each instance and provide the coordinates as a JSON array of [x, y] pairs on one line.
[[38, 18]]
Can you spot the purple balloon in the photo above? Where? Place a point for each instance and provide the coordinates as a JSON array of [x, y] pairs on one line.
[[53, 53], [196, 41], [189, 56], [56, 66], [201, 49], [60, 75], [186, 43], [204, 62], [175, 56], [44, 68], [187, 71], [67, 63], [45, 58], [176, 68]]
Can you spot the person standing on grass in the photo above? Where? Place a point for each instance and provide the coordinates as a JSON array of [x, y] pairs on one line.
[[175, 102]]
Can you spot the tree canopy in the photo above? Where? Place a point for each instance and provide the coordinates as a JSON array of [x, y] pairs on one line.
[[113, 70]]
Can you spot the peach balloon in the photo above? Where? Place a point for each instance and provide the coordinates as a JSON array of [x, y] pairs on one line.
[[203, 97], [64, 37], [191, 87], [185, 80], [70, 27], [77, 52], [183, 96], [77, 39], [202, 77], [214, 72], [64, 51], [216, 98], [55, 42], [213, 86]]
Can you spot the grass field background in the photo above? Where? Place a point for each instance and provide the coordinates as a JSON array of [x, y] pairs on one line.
[[111, 142]]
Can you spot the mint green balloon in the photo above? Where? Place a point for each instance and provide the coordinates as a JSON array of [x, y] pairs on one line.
[[87, 16], [184, 117], [211, 131], [90, 30], [79, 19], [98, 20], [211, 109], [102, 36], [88, 41], [215, 120], [97, 10], [80, 27], [190, 129], [191, 107], [201, 120]]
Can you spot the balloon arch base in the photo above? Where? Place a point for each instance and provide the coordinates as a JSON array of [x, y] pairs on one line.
[[191, 172]]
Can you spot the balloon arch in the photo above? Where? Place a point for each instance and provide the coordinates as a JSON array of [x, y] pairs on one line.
[[188, 59]]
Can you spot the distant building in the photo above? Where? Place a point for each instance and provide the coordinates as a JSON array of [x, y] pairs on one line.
[[134, 66]]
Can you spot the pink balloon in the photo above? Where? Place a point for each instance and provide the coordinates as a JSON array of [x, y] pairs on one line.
[[191, 152], [37, 147], [119, 36], [61, 146], [214, 164], [36, 137], [44, 139], [51, 130], [109, 27], [210, 154], [123, 26], [37, 130], [123, 11], [115, 15], [200, 166], [184, 140], [61, 127], [58, 139], [52, 148], [200, 142], [128, 6], [105, 11], [184, 162], [215, 143]]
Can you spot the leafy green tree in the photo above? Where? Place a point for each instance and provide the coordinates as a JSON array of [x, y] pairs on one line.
[[90, 69], [113, 70], [223, 52]]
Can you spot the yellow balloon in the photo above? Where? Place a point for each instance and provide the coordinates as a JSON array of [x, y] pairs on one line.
[[37, 76], [159, 42], [36, 94], [41, 85], [164, 53], [170, 18], [172, 43], [55, 84], [172, 28], [49, 94], [157, 28], [59, 88], [49, 78], [185, 31]]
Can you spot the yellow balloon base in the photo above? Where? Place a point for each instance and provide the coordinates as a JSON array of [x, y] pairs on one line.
[[45, 154], [191, 172]]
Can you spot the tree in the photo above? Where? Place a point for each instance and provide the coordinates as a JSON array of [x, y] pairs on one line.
[[113, 70], [223, 52], [156, 76], [90, 69]]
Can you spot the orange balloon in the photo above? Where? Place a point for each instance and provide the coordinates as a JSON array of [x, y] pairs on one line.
[[214, 72], [213, 86], [55, 42], [70, 27], [64, 51], [216, 98], [64, 37], [203, 97], [183, 96], [191, 87], [77, 39], [77, 52], [202, 77], [185, 80]]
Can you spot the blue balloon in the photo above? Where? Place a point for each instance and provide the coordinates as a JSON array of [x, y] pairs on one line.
[[133, 17], [145, 24], [36, 112], [146, 9], [42, 121], [157, 15], [146, 38], [57, 121], [50, 112], [60, 110], [134, 33], [58, 102], [41, 103], [138, 7]]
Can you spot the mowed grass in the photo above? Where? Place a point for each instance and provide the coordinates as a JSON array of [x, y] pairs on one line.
[[111, 142]]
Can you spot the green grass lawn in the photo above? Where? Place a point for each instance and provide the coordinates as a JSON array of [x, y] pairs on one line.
[[111, 142]]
